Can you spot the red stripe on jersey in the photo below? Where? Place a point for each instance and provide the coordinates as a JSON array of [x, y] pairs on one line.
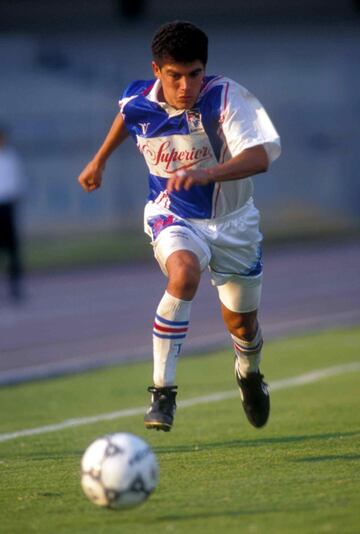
[[216, 198], [226, 96], [148, 89]]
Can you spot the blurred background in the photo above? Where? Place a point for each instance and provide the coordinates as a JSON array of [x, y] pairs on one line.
[[64, 64]]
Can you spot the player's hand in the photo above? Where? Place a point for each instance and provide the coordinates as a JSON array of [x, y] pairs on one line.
[[91, 177], [186, 179]]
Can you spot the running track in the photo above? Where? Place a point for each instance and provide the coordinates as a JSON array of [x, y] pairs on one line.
[[84, 319]]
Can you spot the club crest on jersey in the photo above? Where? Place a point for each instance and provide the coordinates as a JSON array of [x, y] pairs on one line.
[[194, 121], [144, 127]]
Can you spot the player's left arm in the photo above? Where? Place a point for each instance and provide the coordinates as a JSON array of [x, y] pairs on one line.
[[251, 161]]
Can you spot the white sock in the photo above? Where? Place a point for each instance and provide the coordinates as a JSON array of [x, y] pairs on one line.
[[169, 331], [248, 353]]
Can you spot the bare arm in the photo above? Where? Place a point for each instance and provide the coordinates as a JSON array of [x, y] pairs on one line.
[[91, 177], [250, 161]]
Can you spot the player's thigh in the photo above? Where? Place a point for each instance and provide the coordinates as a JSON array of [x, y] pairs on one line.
[[241, 294], [176, 239], [236, 247]]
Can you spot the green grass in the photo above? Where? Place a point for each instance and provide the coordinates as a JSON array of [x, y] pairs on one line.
[[93, 248], [299, 474], [97, 247]]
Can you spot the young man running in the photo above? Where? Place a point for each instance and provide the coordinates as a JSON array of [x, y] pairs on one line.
[[202, 137]]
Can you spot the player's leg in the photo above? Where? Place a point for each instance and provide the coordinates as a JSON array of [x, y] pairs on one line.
[[181, 257], [173, 314], [236, 270], [240, 299]]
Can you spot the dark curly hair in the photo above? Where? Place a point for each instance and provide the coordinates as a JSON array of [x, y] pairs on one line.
[[181, 42]]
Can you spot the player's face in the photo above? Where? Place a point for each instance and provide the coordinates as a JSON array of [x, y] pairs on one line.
[[180, 82]]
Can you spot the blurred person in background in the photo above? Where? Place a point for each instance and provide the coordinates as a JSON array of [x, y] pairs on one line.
[[12, 188], [202, 137]]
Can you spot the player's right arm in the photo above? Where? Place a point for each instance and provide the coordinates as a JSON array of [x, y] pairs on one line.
[[91, 177]]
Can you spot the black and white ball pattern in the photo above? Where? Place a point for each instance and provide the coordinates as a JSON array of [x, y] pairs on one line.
[[119, 471]]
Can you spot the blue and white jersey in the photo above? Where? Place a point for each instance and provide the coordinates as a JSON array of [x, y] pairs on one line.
[[225, 120]]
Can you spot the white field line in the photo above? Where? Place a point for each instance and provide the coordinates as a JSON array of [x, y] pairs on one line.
[[285, 383]]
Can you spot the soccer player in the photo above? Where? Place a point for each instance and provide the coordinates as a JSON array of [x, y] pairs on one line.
[[202, 137]]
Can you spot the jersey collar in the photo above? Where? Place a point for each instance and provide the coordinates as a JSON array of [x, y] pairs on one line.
[[153, 96]]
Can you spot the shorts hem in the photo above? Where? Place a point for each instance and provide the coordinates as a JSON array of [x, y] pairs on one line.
[[221, 278]]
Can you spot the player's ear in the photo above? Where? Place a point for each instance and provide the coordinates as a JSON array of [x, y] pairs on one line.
[[156, 69]]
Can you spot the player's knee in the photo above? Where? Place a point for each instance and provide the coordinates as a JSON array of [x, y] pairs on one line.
[[242, 325], [184, 274]]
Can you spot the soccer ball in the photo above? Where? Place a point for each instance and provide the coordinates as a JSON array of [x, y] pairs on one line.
[[119, 471]]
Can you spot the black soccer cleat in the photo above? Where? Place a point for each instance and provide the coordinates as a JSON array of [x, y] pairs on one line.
[[255, 397], [160, 414]]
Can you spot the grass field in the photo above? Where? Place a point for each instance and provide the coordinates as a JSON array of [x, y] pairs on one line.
[[299, 474], [93, 248]]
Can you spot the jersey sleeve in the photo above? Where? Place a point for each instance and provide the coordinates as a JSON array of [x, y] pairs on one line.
[[133, 90], [246, 123]]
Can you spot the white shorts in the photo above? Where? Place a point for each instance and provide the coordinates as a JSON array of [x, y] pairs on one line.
[[230, 246]]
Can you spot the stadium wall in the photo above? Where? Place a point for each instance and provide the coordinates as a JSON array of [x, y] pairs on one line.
[[59, 95]]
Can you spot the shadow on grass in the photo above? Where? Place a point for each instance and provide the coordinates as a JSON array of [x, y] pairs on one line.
[[242, 443], [329, 458], [49, 494], [228, 513]]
